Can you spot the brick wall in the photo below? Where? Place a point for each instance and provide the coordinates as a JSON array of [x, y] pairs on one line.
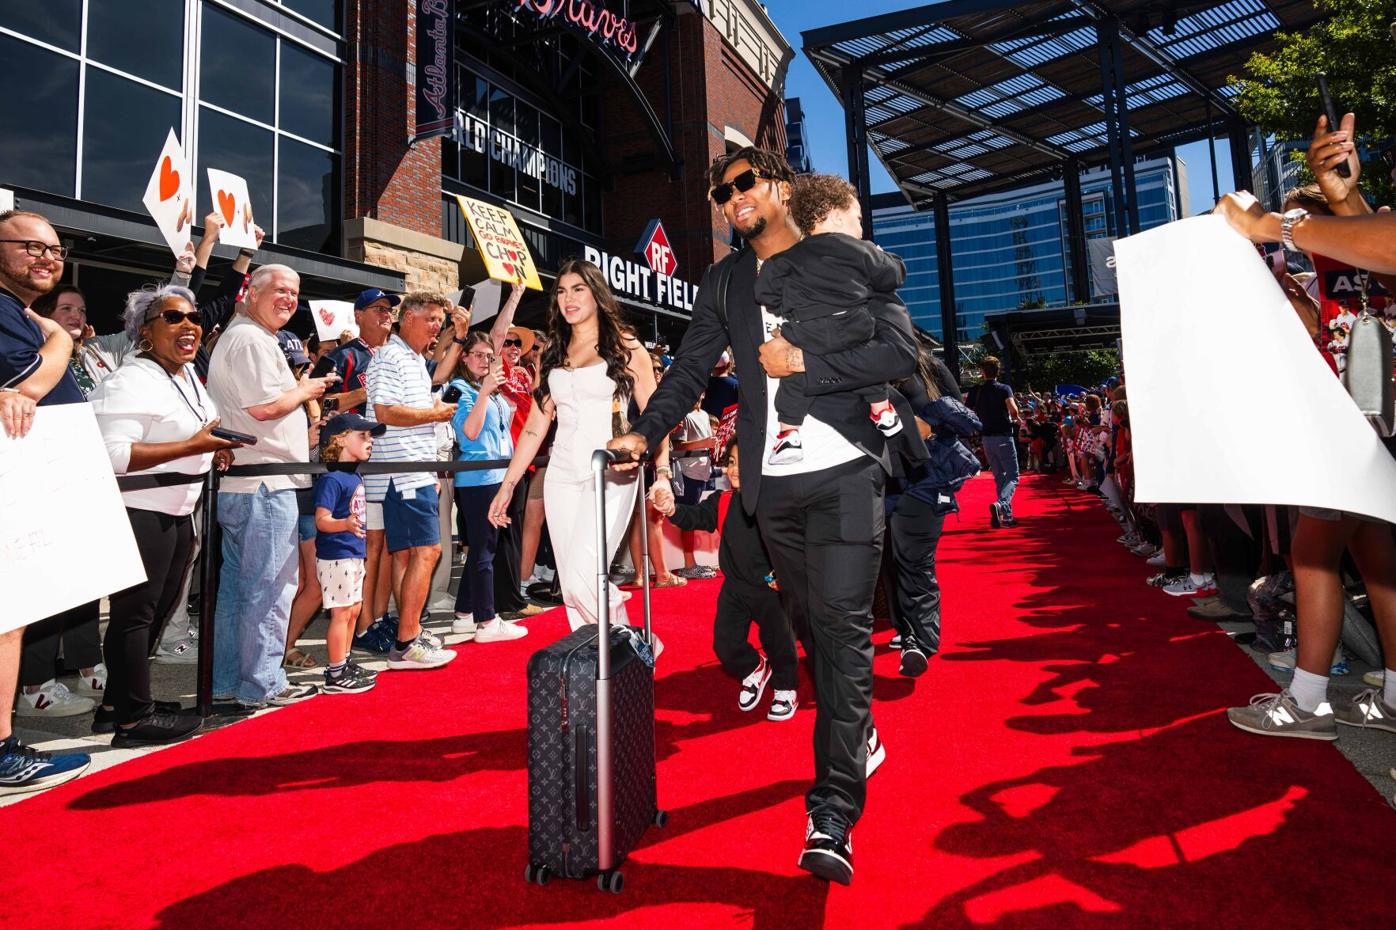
[[385, 178]]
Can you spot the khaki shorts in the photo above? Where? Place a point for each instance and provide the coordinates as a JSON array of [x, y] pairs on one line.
[[341, 582]]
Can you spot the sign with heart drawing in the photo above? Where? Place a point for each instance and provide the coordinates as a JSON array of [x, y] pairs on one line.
[[500, 243], [332, 318], [228, 194], [169, 195]]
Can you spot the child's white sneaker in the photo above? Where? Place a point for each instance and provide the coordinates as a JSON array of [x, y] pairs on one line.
[[787, 450], [887, 422]]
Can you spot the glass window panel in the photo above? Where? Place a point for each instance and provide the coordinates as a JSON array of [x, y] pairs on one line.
[[502, 180], [238, 65], [528, 191], [309, 95], [118, 155], [57, 22], [551, 134], [501, 110], [475, 166], [592, 193], [526, 123], [325, 12], [572, 204], [157, 56], [307, 206], [552, 201], [475, 95], [39, 128], [450, 157], [241, 148]]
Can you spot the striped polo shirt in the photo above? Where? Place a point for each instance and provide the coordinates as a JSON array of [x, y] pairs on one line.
[[398, 376]]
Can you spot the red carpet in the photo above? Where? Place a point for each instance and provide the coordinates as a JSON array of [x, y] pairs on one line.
[[1064, 763]]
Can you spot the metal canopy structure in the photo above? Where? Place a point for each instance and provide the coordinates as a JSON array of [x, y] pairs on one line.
[[1019, 334], [968, 97]]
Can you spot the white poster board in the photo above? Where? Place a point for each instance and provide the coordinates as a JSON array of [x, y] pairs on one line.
[[65, 539], [489, 297], [228, 194], [333, 317], [1229, 401], [169, 195]]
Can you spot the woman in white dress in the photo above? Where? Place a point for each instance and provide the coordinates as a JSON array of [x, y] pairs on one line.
[[592, 368]]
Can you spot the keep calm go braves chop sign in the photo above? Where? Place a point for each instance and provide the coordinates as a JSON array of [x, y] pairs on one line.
[[501, 244]]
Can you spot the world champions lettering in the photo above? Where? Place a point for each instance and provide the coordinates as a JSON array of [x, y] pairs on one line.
[[591, 19]]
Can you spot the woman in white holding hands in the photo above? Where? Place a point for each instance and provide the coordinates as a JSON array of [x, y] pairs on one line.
[[592, 368]]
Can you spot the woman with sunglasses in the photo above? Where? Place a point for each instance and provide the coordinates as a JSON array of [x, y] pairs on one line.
[[156, 418]]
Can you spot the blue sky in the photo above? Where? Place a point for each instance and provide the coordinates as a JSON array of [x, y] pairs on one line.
[[824, 115]]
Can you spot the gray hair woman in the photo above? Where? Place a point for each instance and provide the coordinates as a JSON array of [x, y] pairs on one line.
[[156, 418]]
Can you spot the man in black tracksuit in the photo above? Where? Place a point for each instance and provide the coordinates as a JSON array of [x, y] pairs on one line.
[[746, 595]]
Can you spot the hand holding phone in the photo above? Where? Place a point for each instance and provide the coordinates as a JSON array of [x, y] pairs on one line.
[[322, 367], [451, 395], [1330, 113]]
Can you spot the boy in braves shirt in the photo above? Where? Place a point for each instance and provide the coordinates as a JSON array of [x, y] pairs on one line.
[[339, 546]]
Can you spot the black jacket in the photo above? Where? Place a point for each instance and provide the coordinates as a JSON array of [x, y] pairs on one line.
[[741, 555], [891, 354], [827, 274]]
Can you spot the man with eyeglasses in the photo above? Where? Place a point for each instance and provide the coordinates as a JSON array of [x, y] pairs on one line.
[[34, 355], [822, 518]]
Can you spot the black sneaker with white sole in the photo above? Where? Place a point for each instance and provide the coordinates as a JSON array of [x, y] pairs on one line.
[[828, 851], [913, 658], [352, 680]]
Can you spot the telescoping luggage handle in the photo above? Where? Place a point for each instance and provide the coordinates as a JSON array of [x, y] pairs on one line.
[[601, 460]]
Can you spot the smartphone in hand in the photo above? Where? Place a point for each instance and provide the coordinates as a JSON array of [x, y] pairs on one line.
[[451, 395], [323, 367], [233, 436], [1330, 112]]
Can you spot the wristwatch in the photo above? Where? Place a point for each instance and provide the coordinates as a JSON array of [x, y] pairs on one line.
[[1288, 221], [247, 253]]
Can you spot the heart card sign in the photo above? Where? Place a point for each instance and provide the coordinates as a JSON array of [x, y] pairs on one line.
[[501, 245], [332, 318], [230, 201], [169, 196]]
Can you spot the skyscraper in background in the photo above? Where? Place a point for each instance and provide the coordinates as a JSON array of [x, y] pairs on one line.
[[1011, 250], [796, 142]]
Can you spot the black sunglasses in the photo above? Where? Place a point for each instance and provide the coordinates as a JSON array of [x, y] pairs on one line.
[[513, 342], [742, 182], [175, 317]]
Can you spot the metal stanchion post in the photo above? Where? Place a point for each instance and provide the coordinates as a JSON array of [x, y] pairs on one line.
[[208, 597]]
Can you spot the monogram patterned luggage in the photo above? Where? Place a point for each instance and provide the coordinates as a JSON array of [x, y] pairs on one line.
[[591, 765]]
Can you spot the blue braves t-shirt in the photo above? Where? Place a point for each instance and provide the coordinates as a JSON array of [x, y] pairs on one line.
[[341, 493]]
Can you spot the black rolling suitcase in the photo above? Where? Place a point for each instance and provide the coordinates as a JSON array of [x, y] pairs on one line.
[[591, 765]]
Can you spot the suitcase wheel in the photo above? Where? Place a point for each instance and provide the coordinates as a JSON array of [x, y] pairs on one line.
[[537, 875], [661, 819], [610, 881]]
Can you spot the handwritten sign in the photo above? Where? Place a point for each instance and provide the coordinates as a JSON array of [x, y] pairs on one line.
[[332, 318], [500, 242], [169, 195], [228, 194], [57, 495]]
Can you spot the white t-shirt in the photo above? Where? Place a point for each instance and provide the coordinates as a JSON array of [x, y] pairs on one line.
[[824, 446], [247, 370], [696, 464], [398, 377], [142, 402]]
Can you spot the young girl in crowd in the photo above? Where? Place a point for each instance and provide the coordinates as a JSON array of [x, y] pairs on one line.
[[821, 287], [340, 549]]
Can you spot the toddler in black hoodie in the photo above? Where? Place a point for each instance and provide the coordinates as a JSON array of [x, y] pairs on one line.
[[821, 287]]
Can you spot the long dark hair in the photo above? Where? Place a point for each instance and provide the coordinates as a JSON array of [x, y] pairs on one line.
[[610, 337], [462, 368]]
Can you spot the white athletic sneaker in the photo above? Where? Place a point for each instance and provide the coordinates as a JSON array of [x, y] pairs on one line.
[[1285, 661], [877, 754], [1157, 560], [1187, 587], [94, 685], [53, 699], [754, 685], [464, 623], [419, 654], [499, 631], [783, 705]]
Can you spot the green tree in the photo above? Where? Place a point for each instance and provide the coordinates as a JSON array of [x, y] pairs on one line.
[[1354, 47]]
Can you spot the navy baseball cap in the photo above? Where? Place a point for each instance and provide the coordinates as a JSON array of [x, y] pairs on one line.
[[292, 348], [349, 423], [372, 294]]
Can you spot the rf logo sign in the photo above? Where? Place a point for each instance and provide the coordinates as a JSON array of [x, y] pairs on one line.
[[654, 247]]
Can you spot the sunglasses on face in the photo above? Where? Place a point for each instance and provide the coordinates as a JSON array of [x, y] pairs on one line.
[[514, 342], [175, 317], [742, 182]]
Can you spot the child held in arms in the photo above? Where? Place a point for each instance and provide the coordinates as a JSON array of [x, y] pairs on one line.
[[340, 513], [748, 593], [821, 286]]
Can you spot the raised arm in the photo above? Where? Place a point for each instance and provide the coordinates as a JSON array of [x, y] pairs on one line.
[[1367, 241], [505, 318]]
